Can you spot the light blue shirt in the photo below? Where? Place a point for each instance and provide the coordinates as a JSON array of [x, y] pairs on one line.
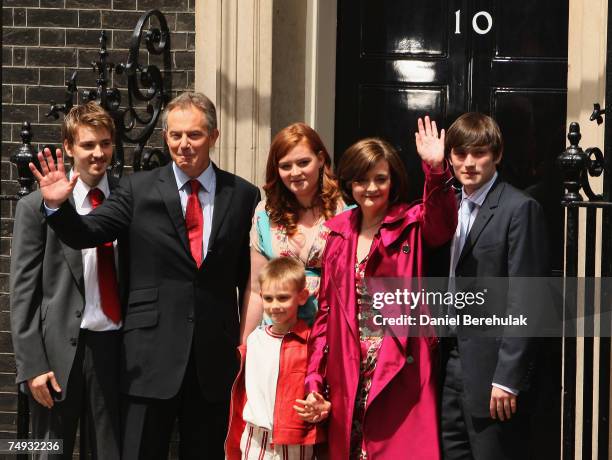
[[475, 199], [206, 194], [478, 196]]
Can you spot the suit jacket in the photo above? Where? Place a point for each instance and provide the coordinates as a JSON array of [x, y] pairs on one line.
[[507, 239], [173, 309], [47, 296]]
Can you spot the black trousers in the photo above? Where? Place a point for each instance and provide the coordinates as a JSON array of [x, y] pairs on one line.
[[202, 425], [93, 387], [465, 437]]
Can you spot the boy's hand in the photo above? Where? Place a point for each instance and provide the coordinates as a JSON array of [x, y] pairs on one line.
[[502, 405], [429, 146], [313, 409], [54, 185], [40, 390]]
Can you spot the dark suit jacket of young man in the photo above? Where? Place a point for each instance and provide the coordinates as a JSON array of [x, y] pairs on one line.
[[507, 239], [173, 307], [47, 296]]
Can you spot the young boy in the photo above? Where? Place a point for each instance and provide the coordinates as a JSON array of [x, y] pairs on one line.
[[65, 310], [264, 424]]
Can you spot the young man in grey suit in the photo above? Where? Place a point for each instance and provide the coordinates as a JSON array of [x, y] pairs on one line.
[[65, 307], [501, 233], [188, 229]]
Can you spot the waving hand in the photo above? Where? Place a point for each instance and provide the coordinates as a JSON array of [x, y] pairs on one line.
[[54, 185], [429, 145]]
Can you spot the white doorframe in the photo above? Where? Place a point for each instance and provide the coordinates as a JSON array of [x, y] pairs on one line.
[[320, 81]]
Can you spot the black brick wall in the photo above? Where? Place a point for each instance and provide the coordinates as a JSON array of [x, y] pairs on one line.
[[43, 42]]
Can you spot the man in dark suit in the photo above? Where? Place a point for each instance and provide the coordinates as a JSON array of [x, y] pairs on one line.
[[65, 309], [188, 230], [501, 233]]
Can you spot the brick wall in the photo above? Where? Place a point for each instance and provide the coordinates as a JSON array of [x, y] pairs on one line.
[[43, 42]]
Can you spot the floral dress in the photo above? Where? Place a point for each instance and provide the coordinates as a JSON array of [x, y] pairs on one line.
[[306, 245], [370, 338]]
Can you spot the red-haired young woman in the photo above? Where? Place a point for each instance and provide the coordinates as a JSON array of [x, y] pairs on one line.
[[301, 195]]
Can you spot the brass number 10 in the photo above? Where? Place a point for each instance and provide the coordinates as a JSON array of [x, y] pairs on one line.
[[475, 25]]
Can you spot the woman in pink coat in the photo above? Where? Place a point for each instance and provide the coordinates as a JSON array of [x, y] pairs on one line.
[[381, 385]]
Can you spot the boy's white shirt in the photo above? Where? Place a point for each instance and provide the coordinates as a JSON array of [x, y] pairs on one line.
[[261, 376]]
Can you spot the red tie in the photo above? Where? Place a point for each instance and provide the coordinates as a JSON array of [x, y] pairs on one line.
[[195, 222], [107, 276]]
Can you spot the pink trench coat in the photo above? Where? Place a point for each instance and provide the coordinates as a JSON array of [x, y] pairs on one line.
[[401, 413]]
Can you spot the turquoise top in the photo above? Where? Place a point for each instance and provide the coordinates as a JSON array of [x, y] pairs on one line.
[[272, 241], [308, 311]]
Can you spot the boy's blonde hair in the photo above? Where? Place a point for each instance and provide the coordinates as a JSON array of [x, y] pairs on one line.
[[88, 114], [284, 270]]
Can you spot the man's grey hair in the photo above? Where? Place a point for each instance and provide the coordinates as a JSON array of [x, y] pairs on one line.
[[198, 100]]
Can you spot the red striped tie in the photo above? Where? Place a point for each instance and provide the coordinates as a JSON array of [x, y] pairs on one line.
[[107, 275], [194, 220]]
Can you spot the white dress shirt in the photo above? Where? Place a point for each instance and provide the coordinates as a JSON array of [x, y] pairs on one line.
[[206, 194], [94, 318]]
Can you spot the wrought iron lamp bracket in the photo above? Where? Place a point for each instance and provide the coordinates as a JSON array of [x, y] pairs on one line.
[[597, 113], [109, 98], [22, 157], [146, 85], [578, 165], [71, 89]]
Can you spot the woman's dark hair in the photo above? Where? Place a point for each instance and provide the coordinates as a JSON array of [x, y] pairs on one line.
[[360, 157]]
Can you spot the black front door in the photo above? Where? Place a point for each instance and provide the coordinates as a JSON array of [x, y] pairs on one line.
[[398, 60]]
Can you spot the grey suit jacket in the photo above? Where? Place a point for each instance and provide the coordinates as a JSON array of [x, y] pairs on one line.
[[47, 296]]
